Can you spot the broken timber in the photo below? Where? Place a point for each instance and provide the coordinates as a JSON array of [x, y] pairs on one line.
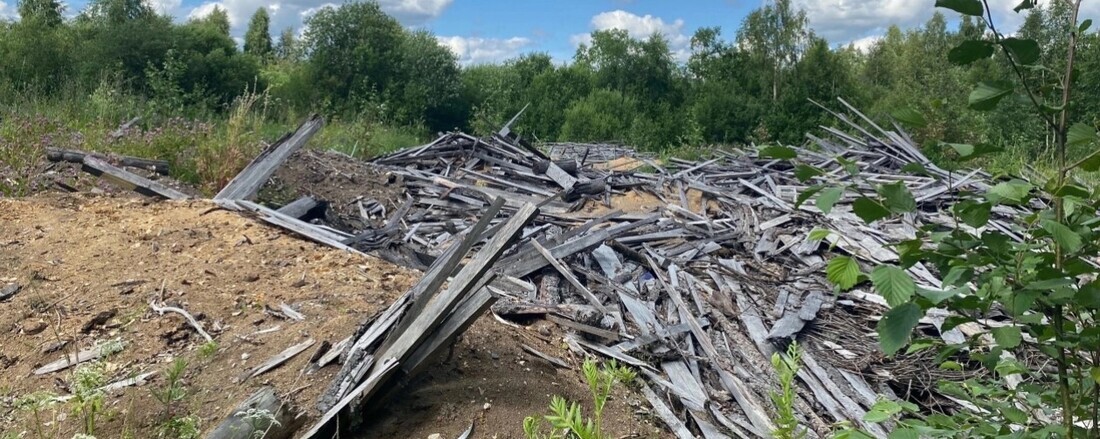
[[129, 180]]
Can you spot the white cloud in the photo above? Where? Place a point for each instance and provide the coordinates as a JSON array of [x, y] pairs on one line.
[[7, 12], [476, 50], [414, 12], [169, 7], [864, 44], [208, 8], [292, 13], [858, 21], [640, 27], [843, 21]]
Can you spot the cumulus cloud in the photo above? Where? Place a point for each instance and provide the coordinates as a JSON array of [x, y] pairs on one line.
[[860, 21], [476, 50], [292, 13], [167, 7], [864, 44], [843, 21], [6, 12], [640, 27]]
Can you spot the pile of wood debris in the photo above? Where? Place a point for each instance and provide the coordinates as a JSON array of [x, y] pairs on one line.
[[696, 290]]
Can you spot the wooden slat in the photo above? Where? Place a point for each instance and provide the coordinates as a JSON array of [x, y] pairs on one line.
[[248, 181], [129, 180]]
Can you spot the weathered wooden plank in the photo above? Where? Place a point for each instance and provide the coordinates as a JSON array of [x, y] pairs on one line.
[[569, 276], [280, 358], [581, 327], [75, 156], [557, 362], [365, 390], [432, 316], [92, 353], [129, 180], [295, 225], [665, 414], [252, 177]]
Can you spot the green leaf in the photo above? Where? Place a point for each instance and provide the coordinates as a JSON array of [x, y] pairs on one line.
[[875, 417], [970, 51], [904, 433], [1049, 284], [897, 197], [1085, 25], [1014, 415], [1025, 4], [1091, 164], [807, 194], [919, 345], [777, 152], [828, 198], [1015, 191], [915, 168], [973, 213], [951, 365], [819, 234], [910, 117], [1025, 51], [1080, 134], [1071, 190], [987, 94], [842, 271], [893, 284], [1064, 236], [897, 325], [937, 296], [869, 210], [1095, 372], [962, 149], [965, 7], [1007, 337], [805, 172]]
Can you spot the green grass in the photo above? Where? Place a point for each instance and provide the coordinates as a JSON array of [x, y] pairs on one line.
[[204, 149]]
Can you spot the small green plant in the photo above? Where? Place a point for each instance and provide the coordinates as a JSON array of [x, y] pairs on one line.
[[35, 403], [566, 418], [182, 427], [259, 420], [787, 367], [88, 396], [208, 349], [173, 391]]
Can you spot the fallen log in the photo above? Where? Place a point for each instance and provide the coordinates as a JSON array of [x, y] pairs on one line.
[[264, 415], [75, 156]]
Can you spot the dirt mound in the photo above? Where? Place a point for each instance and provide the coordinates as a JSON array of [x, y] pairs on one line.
[[491, 381], [80, 258], [89, 266], [340, 180]]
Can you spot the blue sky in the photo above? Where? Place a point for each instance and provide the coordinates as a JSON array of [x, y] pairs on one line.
[[486, 31]]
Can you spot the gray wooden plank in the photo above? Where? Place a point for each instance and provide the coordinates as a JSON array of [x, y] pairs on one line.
[[252, 177], [434, 313], [129, 180]]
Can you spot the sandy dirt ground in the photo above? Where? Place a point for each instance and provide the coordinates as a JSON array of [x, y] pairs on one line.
[[88, 267]]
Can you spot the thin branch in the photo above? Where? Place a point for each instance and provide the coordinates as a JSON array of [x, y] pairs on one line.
[[1016, 67], [194, 323]]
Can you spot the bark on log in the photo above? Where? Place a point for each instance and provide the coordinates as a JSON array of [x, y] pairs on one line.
[[236, 426], [74, 156]]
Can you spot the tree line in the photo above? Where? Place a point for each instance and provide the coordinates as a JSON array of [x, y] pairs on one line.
[[752, 85]]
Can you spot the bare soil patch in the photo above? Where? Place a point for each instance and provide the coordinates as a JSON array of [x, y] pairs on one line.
[[77, 258]]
